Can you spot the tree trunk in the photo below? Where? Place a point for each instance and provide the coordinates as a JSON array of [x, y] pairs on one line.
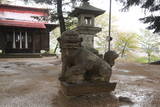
[[62, 29], [149, 57], [60, 16], [123, 51], [55, 49], [61, 20]]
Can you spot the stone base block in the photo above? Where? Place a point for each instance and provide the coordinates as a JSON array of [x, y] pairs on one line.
[[87, 88]]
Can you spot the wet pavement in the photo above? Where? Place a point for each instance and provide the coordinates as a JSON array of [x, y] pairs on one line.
[[34, 83], [28, 82], [139, 83]]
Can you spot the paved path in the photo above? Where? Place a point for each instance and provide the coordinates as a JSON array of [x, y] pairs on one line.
[[34, 83]]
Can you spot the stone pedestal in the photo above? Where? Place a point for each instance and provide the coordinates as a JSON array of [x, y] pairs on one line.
[[87, 88]]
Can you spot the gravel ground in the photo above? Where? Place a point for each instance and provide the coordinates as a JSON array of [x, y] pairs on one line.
[[34, 83]]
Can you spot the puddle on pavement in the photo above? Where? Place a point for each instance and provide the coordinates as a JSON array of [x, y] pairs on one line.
[[21, 82], [129, 77], [141, 97], [38, 64], [4, 71], [132, 96], [124, 70], [7, 65], [8, 69]]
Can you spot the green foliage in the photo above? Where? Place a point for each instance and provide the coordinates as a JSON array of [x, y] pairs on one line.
[[132, 45], [126, 43], [149, 43], [154, 58], [53, 40], [141, 60], [103, 22], [145, 59], [71, 23]]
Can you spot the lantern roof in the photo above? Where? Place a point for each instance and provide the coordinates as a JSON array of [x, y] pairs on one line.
[[86, 8]]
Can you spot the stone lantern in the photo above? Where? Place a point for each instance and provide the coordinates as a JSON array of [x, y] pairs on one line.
[[86, 15]]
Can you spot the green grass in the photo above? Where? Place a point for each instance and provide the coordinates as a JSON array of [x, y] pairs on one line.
[[145, 59], [141, 60], [155, 58]]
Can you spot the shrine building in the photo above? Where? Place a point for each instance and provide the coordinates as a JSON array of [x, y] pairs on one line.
[[20, 32]]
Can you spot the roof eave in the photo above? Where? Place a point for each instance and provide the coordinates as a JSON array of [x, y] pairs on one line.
[[77, 12]]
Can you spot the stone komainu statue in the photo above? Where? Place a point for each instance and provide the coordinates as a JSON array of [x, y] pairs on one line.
[[80, 64], [110, 57]]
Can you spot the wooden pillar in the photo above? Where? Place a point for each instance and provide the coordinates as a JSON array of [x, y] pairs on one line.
[[33, 42], [26, 40], [20, 38], [14, 40]]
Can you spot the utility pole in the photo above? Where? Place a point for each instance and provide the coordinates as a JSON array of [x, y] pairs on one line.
[[109, 33]]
